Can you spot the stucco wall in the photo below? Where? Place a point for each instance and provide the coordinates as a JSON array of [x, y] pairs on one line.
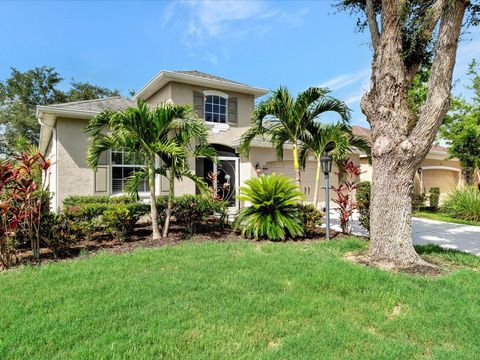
[[161, 95], [183, 94]]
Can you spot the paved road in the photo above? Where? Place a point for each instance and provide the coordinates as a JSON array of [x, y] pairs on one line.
[[425, 231]]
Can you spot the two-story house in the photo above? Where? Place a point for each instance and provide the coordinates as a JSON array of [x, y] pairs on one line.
[[224, 105]]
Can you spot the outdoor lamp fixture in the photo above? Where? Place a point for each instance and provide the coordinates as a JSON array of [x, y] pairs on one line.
[[326, 164]]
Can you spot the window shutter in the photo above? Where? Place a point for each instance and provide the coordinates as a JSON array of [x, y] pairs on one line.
[[232, 111], [198, 100], [101, 179]]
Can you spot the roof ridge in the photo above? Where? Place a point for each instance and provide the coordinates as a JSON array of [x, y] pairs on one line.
[[89, 101]]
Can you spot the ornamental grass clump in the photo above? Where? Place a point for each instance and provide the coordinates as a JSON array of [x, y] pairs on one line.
[[463, 203], [273, 212]]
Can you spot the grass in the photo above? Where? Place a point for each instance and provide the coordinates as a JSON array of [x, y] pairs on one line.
[[239, 299], [435, 215]]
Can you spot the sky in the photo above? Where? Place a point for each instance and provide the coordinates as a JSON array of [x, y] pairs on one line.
[[122, 45]]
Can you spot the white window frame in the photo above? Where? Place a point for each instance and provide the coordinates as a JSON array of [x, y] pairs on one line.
[[215, 93], [140, 193]]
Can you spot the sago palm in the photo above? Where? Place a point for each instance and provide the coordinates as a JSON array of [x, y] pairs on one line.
[[274, 211], [335, 140], [283, 119], [144, 131]]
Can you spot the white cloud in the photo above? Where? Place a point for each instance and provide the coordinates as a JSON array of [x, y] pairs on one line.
[[344, 80]]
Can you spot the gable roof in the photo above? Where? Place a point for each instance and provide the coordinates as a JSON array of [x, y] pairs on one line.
[[88, 106], [195, 77]]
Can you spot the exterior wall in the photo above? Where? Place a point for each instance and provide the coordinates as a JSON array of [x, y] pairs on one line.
[[164, 94], [74, 175], [183, 94]]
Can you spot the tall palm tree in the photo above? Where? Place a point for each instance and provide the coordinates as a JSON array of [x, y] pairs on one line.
[[147, 132], [283, 119], [335, 140]]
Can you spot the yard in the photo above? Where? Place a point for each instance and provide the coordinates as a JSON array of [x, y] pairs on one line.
[[240, 299]]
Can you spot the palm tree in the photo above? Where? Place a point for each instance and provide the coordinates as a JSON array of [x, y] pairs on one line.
[[335, 140], [283, 119], [144, 131]]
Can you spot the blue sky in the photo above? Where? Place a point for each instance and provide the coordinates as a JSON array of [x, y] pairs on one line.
[[124, 44]]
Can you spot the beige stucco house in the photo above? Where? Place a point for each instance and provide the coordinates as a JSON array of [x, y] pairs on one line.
[[225, 106]]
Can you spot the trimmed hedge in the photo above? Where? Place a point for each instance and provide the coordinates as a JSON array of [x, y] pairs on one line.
[[81, 200], [434, 197], [363, 192]]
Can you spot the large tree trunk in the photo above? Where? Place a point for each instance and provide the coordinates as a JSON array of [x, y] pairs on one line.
[[398, 146], [391, 212], [153, 205]]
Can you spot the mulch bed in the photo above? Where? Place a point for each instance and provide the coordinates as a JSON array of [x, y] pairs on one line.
[[141, 238]]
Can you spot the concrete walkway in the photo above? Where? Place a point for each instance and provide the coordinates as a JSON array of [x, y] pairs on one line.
[[447, 235]]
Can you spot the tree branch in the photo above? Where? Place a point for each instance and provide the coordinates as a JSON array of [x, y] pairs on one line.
[[426, 32], [440, 84], [373, 24]]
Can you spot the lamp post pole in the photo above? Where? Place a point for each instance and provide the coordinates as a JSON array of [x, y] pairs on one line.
[[326, 163]]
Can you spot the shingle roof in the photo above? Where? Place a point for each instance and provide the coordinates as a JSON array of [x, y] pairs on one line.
[[97, 105], [207, 76]]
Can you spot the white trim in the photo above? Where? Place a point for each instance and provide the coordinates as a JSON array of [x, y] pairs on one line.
[[164, 77], [217, 93], [111, 166], [440, 167]]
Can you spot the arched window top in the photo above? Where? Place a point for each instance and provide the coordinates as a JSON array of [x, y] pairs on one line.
[[216, 104]]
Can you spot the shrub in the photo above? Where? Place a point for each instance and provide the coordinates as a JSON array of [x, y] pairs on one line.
[[348, 175], [311, 216], [418, 200], [81, 200], [119, 221], [364, 189], [274, 212], [434, 197], [463, 203], [57, 233]]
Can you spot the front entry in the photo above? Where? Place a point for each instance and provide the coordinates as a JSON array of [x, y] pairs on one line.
[[222, 177]]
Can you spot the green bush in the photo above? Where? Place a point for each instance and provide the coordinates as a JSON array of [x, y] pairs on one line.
[[463, 203], [418, 201], [363, 192], [119, 221], [57, 233], [81, 200], [274, 211], [311, 216], [434, 197]]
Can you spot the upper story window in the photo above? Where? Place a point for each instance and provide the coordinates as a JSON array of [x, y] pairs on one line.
[[123, 165], [215, 108]]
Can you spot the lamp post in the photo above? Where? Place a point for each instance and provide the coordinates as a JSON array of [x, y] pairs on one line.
[[326, 163]]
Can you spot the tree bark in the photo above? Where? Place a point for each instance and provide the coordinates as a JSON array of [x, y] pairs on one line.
[[296, 165], [168, 212], [398, 148], [317, 184], [153, 205]]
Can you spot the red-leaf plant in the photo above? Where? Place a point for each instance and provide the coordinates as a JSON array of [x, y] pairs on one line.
[[22, 200], [348, 176]]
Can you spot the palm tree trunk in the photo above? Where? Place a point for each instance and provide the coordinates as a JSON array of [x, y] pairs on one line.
[[296, 165], [153, 205], [317, 184], [168, 213]]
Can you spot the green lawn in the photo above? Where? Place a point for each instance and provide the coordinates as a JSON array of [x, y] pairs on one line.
[[238, 300], [428, 214]]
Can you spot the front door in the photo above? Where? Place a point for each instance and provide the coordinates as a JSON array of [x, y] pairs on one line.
[[222, 177]]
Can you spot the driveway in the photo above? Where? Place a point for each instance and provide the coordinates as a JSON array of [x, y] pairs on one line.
[[447, 235]]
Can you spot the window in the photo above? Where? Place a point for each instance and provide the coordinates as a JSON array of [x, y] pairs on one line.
[[123, 165], [215, 109]]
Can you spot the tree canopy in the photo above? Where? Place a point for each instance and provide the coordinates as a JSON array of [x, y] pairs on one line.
[[21, 92]]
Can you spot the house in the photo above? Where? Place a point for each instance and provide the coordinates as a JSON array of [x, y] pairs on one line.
[[225, 106]]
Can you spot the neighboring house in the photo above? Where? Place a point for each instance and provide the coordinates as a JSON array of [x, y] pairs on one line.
[[435, 170], [225, 105]]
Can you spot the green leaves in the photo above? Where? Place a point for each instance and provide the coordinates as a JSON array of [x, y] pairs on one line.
[[274, 212]]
